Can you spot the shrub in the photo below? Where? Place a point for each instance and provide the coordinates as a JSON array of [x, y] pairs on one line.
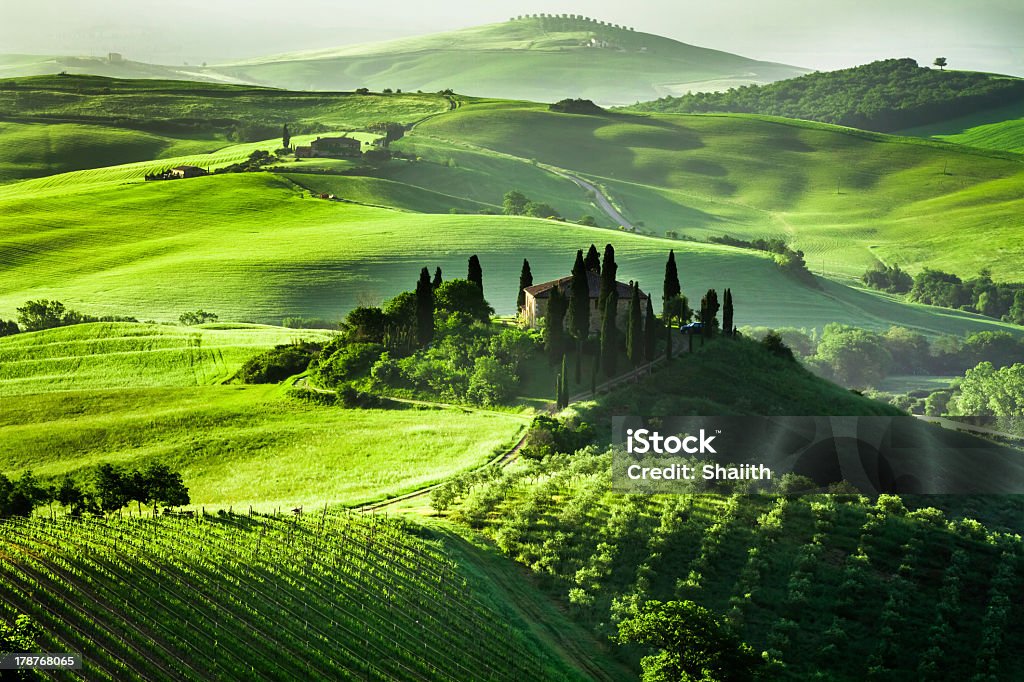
[[348, 362], [277, 364], [198, 317]]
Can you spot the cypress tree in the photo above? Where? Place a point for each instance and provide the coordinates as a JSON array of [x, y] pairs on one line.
[[593, 376], [609, 335], [671, 287], [579, 309], [634, 328], [608, 272], [554, 332], [525, 280], [650, 332], [475, 273], [669, 333], [579, 300], [563, 386], [709, 312], [286, 137], [593, 260], [727, 313], [424, 309], [437, 278]]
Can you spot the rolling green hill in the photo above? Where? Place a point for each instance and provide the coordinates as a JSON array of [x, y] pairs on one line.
[[180, 250], [885, 95], [540, 59], [20, 65], [846, 197], [31, 150]]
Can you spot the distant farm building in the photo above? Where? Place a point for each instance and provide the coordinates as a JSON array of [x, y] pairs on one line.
[[537, 296], [330, 148], [179, 172], [115, 58]]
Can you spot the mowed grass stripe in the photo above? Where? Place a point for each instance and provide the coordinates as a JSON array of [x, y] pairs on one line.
[[126, 355]]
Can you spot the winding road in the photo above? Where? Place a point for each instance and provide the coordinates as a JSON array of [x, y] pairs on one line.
[[602, 201]]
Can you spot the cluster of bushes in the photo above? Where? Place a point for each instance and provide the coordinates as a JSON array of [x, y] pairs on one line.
[[548, 436], [1002, 301], [860, 358], [278, 363], [788, 259], [885, 95], [517, 203], [256, 161], [190, 319], [888, 278], [576, 106], [43, 314], [108, 489]]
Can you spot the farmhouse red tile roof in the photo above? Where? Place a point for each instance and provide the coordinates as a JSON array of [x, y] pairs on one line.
[[543, 290]]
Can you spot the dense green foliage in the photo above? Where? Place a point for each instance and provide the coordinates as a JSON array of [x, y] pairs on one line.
[[888, 278], [987, 391], [859, 358], [885, 95], [980, 294]]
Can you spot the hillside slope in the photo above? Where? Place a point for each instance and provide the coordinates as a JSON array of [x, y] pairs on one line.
[[540, 59], [327, 596], [848, 198]]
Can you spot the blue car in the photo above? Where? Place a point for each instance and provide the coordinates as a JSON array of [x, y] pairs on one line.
[[692, 328]]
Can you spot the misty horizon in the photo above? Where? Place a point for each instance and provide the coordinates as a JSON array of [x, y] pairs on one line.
[[979, 37]]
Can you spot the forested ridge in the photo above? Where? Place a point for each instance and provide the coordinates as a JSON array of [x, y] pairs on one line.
[[884, 96]]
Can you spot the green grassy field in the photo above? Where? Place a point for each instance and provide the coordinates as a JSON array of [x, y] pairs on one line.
[[179, 105], [125, 355], [846, 197], [537, 59], [249, 445], [29, 150], [997, 128], [249, 247]]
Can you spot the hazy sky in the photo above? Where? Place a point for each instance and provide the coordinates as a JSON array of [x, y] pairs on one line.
[[822, 34]]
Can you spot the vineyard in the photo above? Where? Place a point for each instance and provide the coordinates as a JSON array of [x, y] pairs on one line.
[[229, 597], [830, 583]]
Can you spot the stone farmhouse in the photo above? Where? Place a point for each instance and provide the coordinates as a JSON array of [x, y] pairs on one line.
[[330, 148], [536, 301]]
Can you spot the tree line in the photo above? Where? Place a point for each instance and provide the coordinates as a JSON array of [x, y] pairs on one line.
[[43, 314], [107, 488], [1000, 300], [885, 95]]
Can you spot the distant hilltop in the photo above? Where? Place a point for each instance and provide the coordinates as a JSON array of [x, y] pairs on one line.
[[571, 17]]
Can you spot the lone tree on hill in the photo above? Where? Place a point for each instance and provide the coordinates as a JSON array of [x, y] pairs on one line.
[[608, 272], [593, 260], [525, 280], [286, 137], [609, 334], [554, 332], [671, 287], [424, 309], [634, 328], [475, 273], [579, 309], [940, 62], [727, 327], [438, 279]]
